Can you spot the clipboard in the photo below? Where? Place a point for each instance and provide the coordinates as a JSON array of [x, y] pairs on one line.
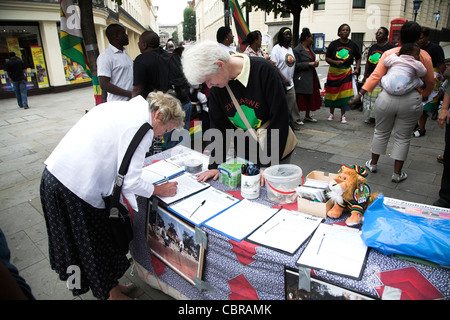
[[336, 249], [240, 220], [161, 171], [214, 202], [286, 231], [187, 185]]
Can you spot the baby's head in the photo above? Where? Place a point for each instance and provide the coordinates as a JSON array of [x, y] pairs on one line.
[[410, 49]]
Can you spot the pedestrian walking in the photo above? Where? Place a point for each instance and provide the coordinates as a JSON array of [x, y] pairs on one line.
[[16, 71]]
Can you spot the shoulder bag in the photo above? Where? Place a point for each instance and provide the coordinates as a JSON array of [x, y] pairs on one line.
[[261, 134], [119, 217]]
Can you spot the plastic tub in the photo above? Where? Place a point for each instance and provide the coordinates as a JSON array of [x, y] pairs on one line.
[[281, 181], [230, 172]]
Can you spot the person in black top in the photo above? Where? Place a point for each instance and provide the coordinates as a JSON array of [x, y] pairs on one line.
[[374, 55], [150, 72], [259, 90], [16, 69]]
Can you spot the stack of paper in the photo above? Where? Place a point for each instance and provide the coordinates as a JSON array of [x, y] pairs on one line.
[[314, 190]]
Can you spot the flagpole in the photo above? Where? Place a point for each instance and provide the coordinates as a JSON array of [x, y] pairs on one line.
[[227, 14]]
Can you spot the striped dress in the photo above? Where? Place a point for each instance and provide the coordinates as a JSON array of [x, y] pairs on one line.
[[339, 86]]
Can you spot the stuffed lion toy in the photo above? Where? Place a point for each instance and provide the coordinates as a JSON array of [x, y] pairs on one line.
[[350, 191]]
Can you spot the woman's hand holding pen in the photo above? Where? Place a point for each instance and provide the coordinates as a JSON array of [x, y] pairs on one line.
[[167, 189]]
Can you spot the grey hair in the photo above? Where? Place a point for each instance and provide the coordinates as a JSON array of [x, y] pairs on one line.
[[169, 106], [199, 60]]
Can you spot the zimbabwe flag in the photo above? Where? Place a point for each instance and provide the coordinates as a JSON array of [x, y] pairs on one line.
[[241, 25]]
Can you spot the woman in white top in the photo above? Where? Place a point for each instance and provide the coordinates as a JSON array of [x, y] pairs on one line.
[[283, 57], [82, 170]]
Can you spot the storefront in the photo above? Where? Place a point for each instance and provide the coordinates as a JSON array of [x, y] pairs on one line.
[[25, 40]]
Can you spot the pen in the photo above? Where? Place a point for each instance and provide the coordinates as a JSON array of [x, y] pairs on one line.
[[273, 226], [320, 245], [203, 202]]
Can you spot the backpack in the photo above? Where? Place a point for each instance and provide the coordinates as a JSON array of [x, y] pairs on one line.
[[171, 75]]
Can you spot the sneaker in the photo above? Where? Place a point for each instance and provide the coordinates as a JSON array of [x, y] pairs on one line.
[[310, 119], [370, 166], [419, 133], [330, 117], [299, 122], [343, 119], [399, 177]]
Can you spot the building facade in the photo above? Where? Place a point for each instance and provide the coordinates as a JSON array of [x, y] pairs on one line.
[[325, 16], [31, 29]]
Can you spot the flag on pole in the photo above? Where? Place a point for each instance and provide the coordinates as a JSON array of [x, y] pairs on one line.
[[71, 36], [72, 42], [241, 26]]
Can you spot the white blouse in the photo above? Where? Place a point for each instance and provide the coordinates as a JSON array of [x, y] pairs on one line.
[[87, 159]]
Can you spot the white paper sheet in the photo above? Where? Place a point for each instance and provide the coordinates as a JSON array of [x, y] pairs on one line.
[[161, 170], [287, 230], [187, 185], [336, 249], [215, 202], [241, 219]]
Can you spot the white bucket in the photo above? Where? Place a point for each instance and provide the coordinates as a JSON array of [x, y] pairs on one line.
[[281, 182]]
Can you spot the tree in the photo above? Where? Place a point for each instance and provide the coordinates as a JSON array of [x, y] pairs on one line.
[[282, 6], [175, 37], [189, 24]]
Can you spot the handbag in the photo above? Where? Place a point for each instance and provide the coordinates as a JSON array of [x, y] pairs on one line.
[[261, 134], [119, 217]]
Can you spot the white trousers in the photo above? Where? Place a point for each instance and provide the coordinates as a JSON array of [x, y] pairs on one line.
[[399, 114]]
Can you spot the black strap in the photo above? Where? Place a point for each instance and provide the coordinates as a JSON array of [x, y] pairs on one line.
[[127, 159]]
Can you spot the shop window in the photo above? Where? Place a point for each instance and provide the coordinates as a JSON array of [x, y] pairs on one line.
[[24, 40]]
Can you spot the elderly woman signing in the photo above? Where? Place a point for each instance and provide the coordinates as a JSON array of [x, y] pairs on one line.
[[82, 170]]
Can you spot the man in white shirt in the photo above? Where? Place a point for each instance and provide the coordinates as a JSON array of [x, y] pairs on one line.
[[115, 67], [225, 38]]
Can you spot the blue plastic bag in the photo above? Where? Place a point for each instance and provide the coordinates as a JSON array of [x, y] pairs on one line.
[[393, 232]]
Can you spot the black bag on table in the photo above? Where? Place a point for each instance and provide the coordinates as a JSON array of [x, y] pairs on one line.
[[119, 217]]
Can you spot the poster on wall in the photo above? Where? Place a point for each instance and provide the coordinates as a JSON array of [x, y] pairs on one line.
[[39, 65], [13, 46]]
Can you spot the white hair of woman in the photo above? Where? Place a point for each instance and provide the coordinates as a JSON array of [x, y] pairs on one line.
[[200, 60]]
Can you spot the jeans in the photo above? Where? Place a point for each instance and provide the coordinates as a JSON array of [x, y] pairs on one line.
[[187, 108], [20, 89]]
